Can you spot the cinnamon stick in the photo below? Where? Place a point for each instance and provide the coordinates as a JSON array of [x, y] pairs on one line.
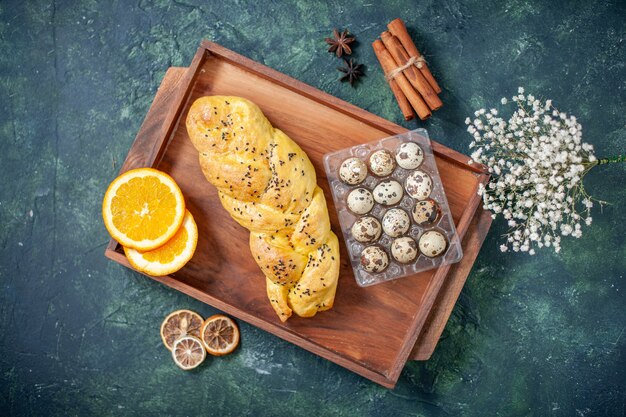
[[388, 64], [412, 73], [403, 102], [398, 29]]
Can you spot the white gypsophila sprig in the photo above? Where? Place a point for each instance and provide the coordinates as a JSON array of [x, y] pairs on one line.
[[537, 161]]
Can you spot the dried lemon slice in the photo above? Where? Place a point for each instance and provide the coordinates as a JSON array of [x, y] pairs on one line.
[[143, 208], [178, 324], [220, 335], [188, 352]]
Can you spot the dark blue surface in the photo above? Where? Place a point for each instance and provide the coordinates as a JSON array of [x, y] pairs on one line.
[[79, 335]]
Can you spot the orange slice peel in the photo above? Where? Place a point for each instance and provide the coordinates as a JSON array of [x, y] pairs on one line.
[[171, 256], [143, 208]]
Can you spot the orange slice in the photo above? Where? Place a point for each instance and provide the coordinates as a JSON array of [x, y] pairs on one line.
[[143, 208], [178, 324], [188, 352], [170, 257], [219, 335]]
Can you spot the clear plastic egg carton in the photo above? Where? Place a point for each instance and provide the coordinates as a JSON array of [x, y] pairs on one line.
[[444, 223]]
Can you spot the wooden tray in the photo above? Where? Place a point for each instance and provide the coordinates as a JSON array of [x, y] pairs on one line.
[[371, 331]]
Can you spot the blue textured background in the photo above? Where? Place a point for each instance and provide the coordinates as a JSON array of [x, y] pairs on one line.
[[530, 336]]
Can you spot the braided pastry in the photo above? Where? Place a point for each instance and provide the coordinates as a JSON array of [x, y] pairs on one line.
[[268, 185]]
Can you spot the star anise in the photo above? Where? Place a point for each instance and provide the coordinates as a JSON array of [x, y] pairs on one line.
[[352, 72], [340, 42]]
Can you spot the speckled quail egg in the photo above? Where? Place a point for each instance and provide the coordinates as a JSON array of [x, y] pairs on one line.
[[396, 222], [382, 163], [374, 259], [353, 171], [366, 229], [404, 249], [425, 212], [388, 192], [409, 155], [360, 201], [433, 243], [418, 185]]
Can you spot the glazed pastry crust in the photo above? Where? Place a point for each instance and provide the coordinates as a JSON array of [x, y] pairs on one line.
[[268, 185]]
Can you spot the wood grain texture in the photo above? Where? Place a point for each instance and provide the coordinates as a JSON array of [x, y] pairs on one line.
[[451, 288], [370, 331]]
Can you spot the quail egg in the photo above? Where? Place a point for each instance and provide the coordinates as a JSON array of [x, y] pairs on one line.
[[366, 229], [432, 243], [382, 163], [409, 155], [374, 259], [396, 222], [425, 212], [404, 249], [388, 192], [353, 171], [360, 201], [418, 185]]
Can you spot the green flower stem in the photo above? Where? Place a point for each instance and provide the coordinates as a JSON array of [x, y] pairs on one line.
[[612, 159]]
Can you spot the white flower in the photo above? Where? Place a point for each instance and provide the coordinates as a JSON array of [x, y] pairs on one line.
[[537, 160], [566, 229]]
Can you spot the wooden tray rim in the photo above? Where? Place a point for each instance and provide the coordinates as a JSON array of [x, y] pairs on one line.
[[113, 250]]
